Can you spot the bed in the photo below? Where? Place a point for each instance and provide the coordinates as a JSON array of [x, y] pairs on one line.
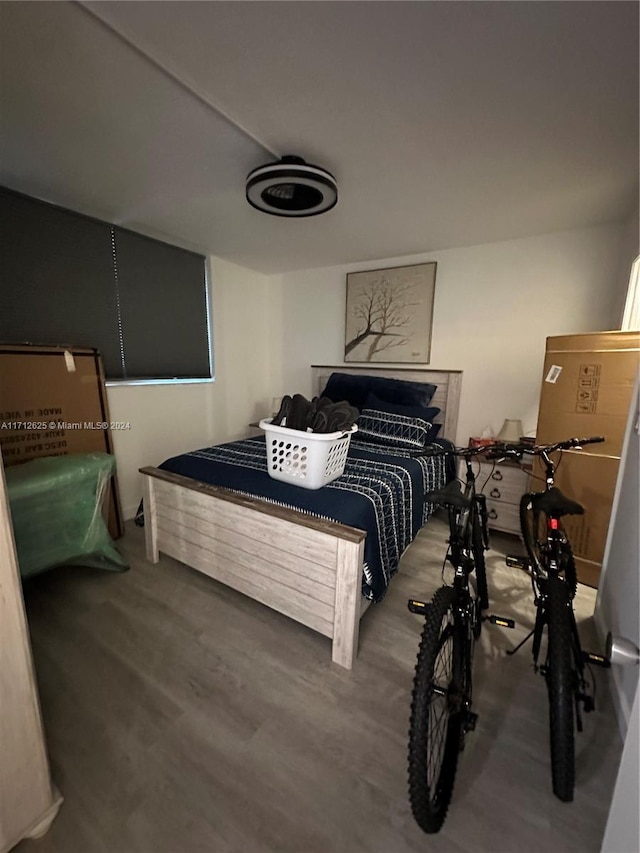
[[300, 563]]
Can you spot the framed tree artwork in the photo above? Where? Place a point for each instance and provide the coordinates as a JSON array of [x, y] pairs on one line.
[[390, 314]]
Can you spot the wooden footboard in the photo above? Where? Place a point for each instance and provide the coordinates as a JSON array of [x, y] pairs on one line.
[[307, 568]]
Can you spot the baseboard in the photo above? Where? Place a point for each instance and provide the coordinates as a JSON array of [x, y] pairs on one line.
[[129, 512]]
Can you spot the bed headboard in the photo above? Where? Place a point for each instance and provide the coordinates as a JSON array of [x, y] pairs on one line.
[[446, 397]]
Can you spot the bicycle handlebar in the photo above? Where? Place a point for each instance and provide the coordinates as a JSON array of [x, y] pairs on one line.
[[454, 451], [519, 450]]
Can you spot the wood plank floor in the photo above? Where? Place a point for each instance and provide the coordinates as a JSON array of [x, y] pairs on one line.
[[182, 717]]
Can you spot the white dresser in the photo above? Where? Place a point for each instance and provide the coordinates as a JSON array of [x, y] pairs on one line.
[[503, 484]]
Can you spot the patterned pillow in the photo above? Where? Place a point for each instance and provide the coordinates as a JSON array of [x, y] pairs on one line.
[[425, 413], [398, 431]]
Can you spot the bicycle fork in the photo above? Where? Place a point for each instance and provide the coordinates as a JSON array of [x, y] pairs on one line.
[[483, 514], [579, 658], [468, 620], [584, 657]]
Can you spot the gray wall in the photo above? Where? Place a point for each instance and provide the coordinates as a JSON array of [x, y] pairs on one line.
[[617, 610], [617, 605]]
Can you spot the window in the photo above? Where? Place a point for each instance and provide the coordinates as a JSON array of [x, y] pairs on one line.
[[70, 279]]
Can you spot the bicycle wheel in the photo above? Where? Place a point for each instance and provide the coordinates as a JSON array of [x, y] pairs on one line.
[[562, 682], [479, 563], [568, 566], [437, 708]]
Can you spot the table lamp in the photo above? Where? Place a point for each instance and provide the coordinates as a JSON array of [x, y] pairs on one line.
[[511, 430]]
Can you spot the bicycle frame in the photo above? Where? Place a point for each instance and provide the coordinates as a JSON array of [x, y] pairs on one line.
[[461, 527], [552, 564], [555, 536], [453, 622], [461, 524], [549, 566]]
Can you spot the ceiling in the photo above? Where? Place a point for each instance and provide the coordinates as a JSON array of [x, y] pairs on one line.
[[446, 124]]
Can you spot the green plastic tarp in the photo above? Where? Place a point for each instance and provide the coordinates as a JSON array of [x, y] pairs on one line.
[[57, 512]]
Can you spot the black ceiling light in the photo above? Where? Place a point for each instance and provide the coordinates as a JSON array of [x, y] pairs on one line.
[[291, 187]]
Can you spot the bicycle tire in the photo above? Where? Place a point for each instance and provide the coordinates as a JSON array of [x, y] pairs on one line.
[[435, 739], [479, 563], [562, 684]]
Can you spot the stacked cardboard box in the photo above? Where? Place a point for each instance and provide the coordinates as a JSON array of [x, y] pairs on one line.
[[587, 385], [53, 403]]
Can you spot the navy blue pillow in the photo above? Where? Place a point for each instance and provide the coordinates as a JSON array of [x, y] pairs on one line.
[[355, 389], [433, 432], [426, 414]]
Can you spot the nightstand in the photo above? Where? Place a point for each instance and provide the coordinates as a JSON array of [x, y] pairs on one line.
[[503, 484]]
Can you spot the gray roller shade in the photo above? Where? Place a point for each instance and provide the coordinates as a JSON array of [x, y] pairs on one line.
[[163, 308], [68, 279], [56, 279]]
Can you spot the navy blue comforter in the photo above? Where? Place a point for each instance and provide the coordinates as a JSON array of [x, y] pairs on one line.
[[378, 492]]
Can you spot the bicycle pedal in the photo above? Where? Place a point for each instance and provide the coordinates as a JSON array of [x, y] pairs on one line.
[[500, 621], [416, 606], [518, 563], [596, 660], [470, 721]]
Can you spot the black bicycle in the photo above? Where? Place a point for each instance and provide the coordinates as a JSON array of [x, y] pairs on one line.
[[551, 564], [441, 704]]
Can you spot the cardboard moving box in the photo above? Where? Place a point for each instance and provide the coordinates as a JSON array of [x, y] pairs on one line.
[[587, 386], [53, 403]]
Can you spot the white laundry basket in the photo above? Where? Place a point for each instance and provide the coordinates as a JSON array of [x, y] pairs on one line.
[[307, 459]]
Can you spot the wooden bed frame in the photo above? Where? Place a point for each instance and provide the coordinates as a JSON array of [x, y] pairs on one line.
[[307, 568]]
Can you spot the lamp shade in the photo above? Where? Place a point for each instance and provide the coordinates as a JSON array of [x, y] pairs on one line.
[[511, 430]]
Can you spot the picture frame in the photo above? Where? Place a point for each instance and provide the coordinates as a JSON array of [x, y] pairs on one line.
[[389, 314]]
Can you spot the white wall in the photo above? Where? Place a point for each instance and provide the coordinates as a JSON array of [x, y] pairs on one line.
[[630, 249], [495, 306], [246, 333], [170, 419]]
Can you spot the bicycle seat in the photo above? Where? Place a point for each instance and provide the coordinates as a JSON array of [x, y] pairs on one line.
[[451, 495], [555, 503]]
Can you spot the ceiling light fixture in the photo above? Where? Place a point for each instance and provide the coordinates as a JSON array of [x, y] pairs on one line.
[[291, 187]]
